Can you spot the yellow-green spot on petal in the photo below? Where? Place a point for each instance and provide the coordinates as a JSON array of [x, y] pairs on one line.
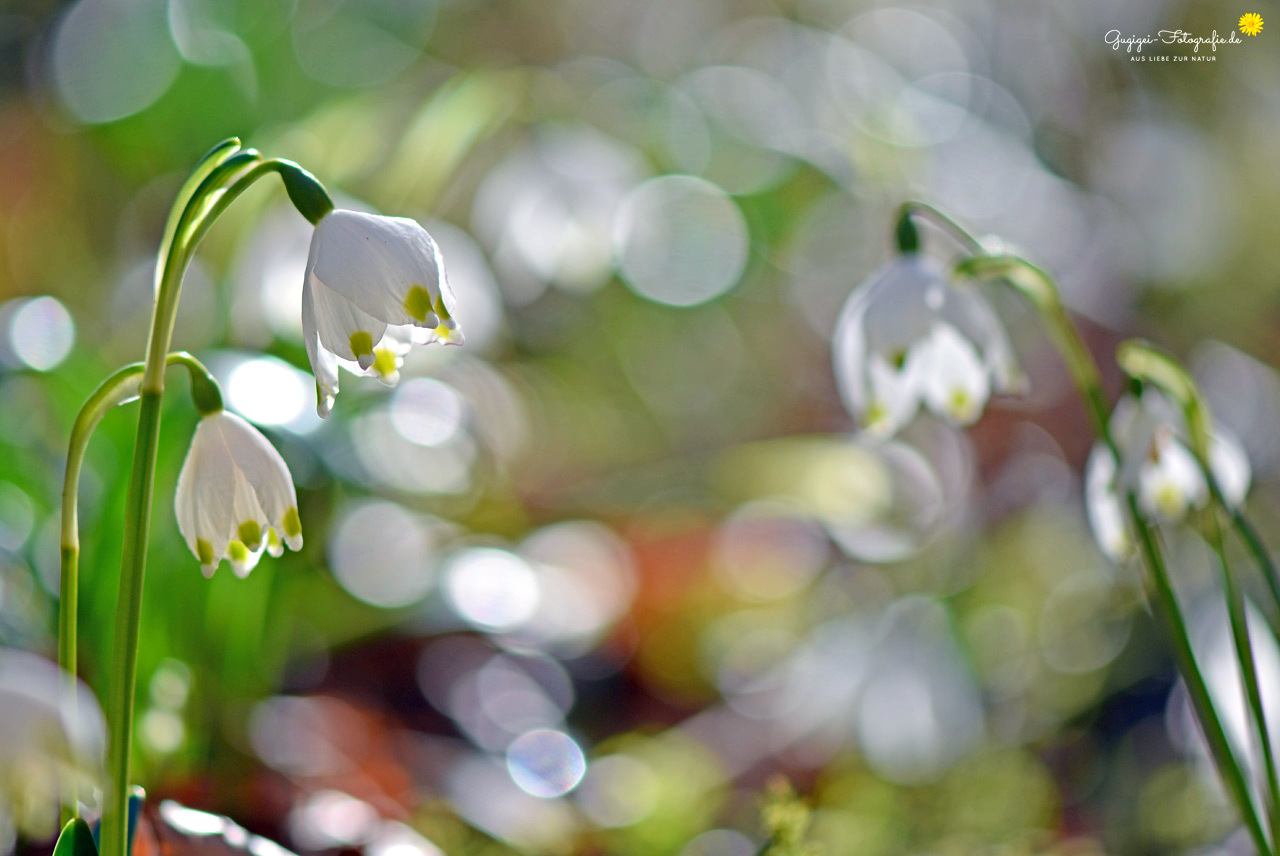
[[251, 534], [361, 343], [1169, 500], [384, 362], [292, 523], [876, 413], [273, 540], [204, 551], [417, 303], [237, 552], [960, 404], [438, 305]]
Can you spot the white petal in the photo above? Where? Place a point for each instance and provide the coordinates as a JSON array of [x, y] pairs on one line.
[[1230, 466], [343, 326], [1170, 481], [894, 397], [234, 488], [1103, 507], [849, 355], [883, 317], [261, 466], [205, 497], [967, 310], [377, 263], [953, 380], [324, 363], [903, 299]]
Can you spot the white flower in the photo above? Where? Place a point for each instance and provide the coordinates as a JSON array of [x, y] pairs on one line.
[[374, 286], [235, 496], [50, 737], [1160, 469], [907, 337]]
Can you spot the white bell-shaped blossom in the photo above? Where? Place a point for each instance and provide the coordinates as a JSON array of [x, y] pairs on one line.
[[51, 736], [235, 496], [374, 286], [1161, 470], [907, 337]]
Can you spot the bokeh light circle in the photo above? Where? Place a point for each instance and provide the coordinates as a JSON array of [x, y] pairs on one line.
[[427, 412], [112, 58], [382, 553], [493, 589], [680, 240], [546, 763], [41, 333], [268, 391]]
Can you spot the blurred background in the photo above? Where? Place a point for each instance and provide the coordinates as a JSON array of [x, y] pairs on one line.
[[585, 584]]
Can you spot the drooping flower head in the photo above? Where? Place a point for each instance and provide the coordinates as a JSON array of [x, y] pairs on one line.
[[374, 286], [1159, 467], [235, 496], [907, 337]]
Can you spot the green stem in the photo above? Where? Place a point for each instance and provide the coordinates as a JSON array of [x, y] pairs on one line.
[[1252, 541], [930, 214], [207, 201], [1166, 602], [116, 389], [124, 651], [1149, 365], [1039, 288], [1238, 618]]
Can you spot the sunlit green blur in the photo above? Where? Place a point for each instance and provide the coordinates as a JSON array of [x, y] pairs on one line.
[[587, 583]]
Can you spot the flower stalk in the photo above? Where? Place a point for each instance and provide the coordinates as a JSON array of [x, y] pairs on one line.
[[1149, 366], [119, 388], [220, 177], [1039, 289]]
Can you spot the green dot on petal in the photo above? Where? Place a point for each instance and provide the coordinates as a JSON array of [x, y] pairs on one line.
[[204, 551], [417, 302], [361, 343], [250, 533], [384, 362], [292, 523], [237, 552]]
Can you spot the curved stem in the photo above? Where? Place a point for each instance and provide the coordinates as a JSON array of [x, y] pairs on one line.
[[1039, 288], [215, 189], [1149, 365], [930, 214], [1252, 540], [116, 389], [1238, 617], [1166, 602]]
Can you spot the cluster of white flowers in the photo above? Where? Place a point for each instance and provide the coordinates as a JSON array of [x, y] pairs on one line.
[[373, 287], [907, 337], [1159, 468]]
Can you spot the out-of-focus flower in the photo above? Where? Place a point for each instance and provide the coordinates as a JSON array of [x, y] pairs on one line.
[[1160, 469], [50, 736], [374, 286], [235, 496], [907, 337]]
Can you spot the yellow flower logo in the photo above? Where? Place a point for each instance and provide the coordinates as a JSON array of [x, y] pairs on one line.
[[1251, 23]]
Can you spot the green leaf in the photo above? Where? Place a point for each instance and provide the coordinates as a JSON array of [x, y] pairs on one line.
[[76, 840]]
